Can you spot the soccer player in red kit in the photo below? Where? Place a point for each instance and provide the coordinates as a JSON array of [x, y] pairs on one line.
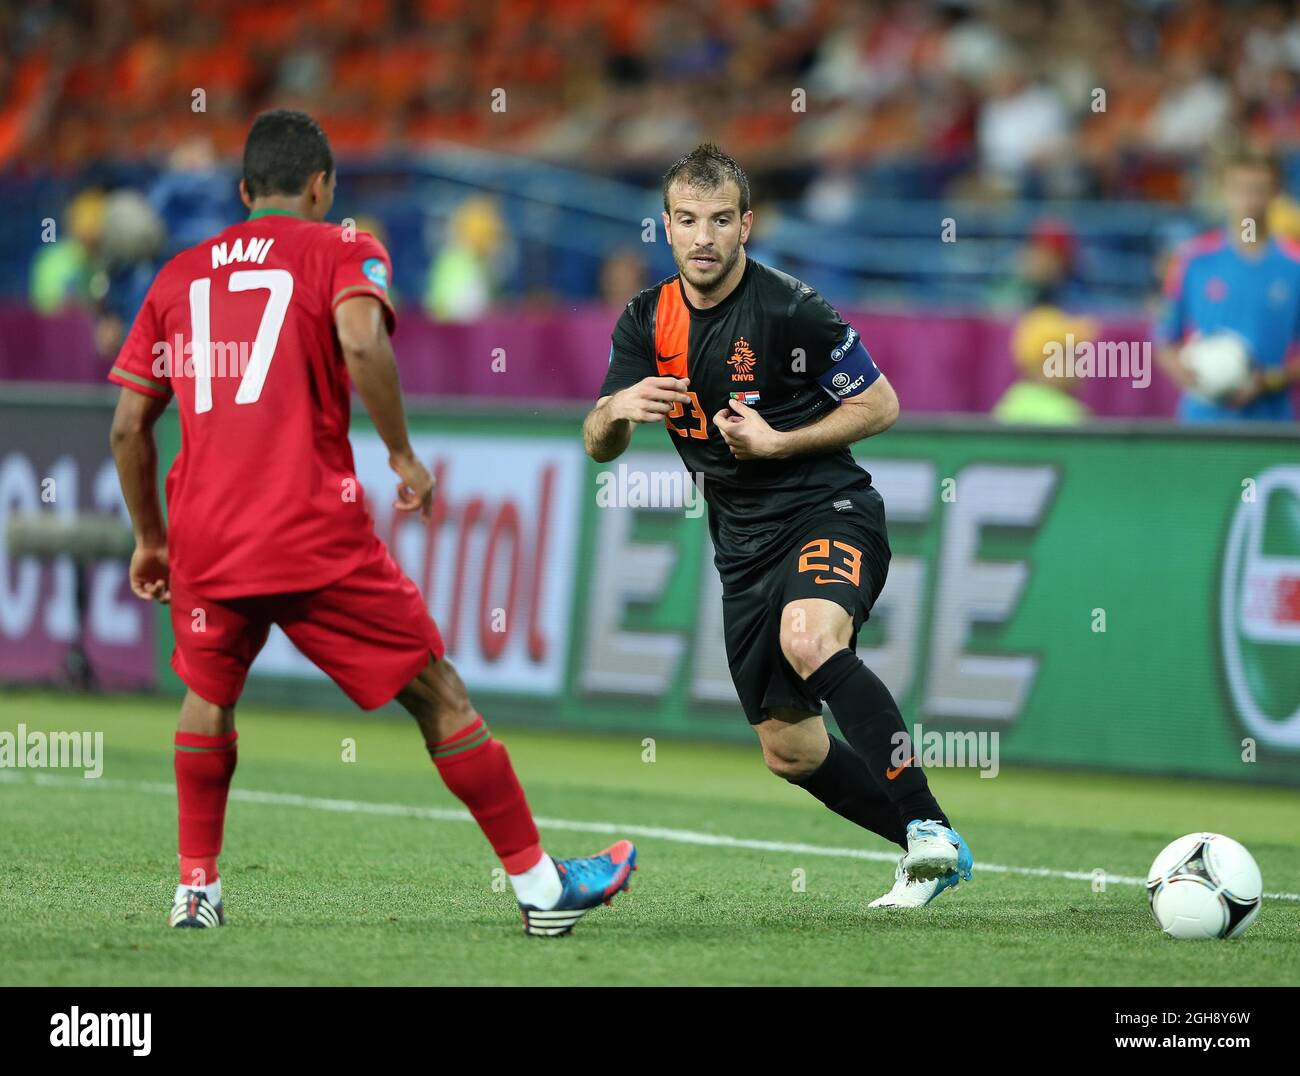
[[259, 333]]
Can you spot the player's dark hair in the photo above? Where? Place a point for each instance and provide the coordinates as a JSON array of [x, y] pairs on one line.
[[706, 168], [283, 151]]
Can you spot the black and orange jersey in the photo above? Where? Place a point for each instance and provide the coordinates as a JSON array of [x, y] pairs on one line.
[[779, 346]]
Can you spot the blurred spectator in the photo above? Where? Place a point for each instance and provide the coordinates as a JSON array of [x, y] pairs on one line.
[[462, 277], [1023, 126], [1238, 279], [972, 49], [1040, 397], [1284, 217], [1046, 270], [1191, 112], [195, 197], [131, 248], [62, 272], [833, 195]]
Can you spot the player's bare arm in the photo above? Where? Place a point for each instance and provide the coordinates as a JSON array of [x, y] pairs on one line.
[[750, 437], [136, 456], [607, 429], [368, 352]]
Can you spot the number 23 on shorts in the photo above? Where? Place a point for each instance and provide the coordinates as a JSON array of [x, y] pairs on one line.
[[817, 555]]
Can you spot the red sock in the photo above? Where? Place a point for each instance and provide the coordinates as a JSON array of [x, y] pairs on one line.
[[477, 770], [204, 766]]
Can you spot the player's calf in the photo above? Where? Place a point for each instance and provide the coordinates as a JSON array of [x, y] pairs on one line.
[[477, 770], [206, 752], [815, 636]]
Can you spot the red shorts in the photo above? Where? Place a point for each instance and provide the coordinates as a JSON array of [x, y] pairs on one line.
[[370, 632]]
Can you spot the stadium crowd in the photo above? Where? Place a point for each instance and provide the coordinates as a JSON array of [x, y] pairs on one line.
[[983, 95], [135, 114]]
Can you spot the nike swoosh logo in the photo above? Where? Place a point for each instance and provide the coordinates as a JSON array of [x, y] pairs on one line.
[[823, 579], [669, 358], [891, 774]]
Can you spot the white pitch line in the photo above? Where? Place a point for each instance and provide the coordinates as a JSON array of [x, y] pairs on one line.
[[450, 814]]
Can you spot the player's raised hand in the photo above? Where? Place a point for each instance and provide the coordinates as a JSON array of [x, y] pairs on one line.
[[415, 488], [746, 432], [150, 574], [650, 400]]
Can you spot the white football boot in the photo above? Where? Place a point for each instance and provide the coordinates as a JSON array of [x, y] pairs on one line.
[[909, 893], [197, 907]]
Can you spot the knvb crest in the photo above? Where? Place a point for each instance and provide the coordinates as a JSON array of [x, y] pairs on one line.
[[742, 361]]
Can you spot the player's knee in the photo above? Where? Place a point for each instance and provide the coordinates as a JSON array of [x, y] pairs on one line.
[[437, 697], [807, 651], [789, 765], [787, 754], [206, 718]]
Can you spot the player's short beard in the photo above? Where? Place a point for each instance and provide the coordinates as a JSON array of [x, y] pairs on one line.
[[711, 285]]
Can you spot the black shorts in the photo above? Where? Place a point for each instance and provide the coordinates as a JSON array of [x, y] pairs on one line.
[[843, 556]]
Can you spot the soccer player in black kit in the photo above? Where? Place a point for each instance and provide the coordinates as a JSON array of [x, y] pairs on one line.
[[762, 387]]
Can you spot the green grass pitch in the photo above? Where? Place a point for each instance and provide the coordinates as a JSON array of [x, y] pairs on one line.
[[341, 886]]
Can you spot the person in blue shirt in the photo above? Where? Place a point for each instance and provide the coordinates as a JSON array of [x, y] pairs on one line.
[[1237, 278]]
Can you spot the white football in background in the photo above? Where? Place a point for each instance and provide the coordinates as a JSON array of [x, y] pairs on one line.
[[1220, 362]]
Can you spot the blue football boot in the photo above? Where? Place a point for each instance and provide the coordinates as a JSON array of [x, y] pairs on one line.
[[935, 851], [587, 881]]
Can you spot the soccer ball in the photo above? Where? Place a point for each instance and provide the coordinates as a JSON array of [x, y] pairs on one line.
[[1204, 885], [1220, 363]]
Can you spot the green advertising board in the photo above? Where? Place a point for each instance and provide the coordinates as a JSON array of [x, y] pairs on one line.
[[1121, 597]]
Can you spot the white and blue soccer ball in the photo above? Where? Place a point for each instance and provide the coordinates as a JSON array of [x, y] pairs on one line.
[[1220, 362], [1204, 885]]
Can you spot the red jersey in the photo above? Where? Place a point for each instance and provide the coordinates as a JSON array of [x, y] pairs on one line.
[[263, 497]]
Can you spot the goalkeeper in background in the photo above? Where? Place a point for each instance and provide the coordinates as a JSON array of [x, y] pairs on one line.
[[1243, 280]]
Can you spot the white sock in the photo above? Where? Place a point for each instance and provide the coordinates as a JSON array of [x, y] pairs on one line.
[[212, 892], [539, 886]]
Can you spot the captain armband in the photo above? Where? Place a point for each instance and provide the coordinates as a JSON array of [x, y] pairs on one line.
[[852, 370]]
